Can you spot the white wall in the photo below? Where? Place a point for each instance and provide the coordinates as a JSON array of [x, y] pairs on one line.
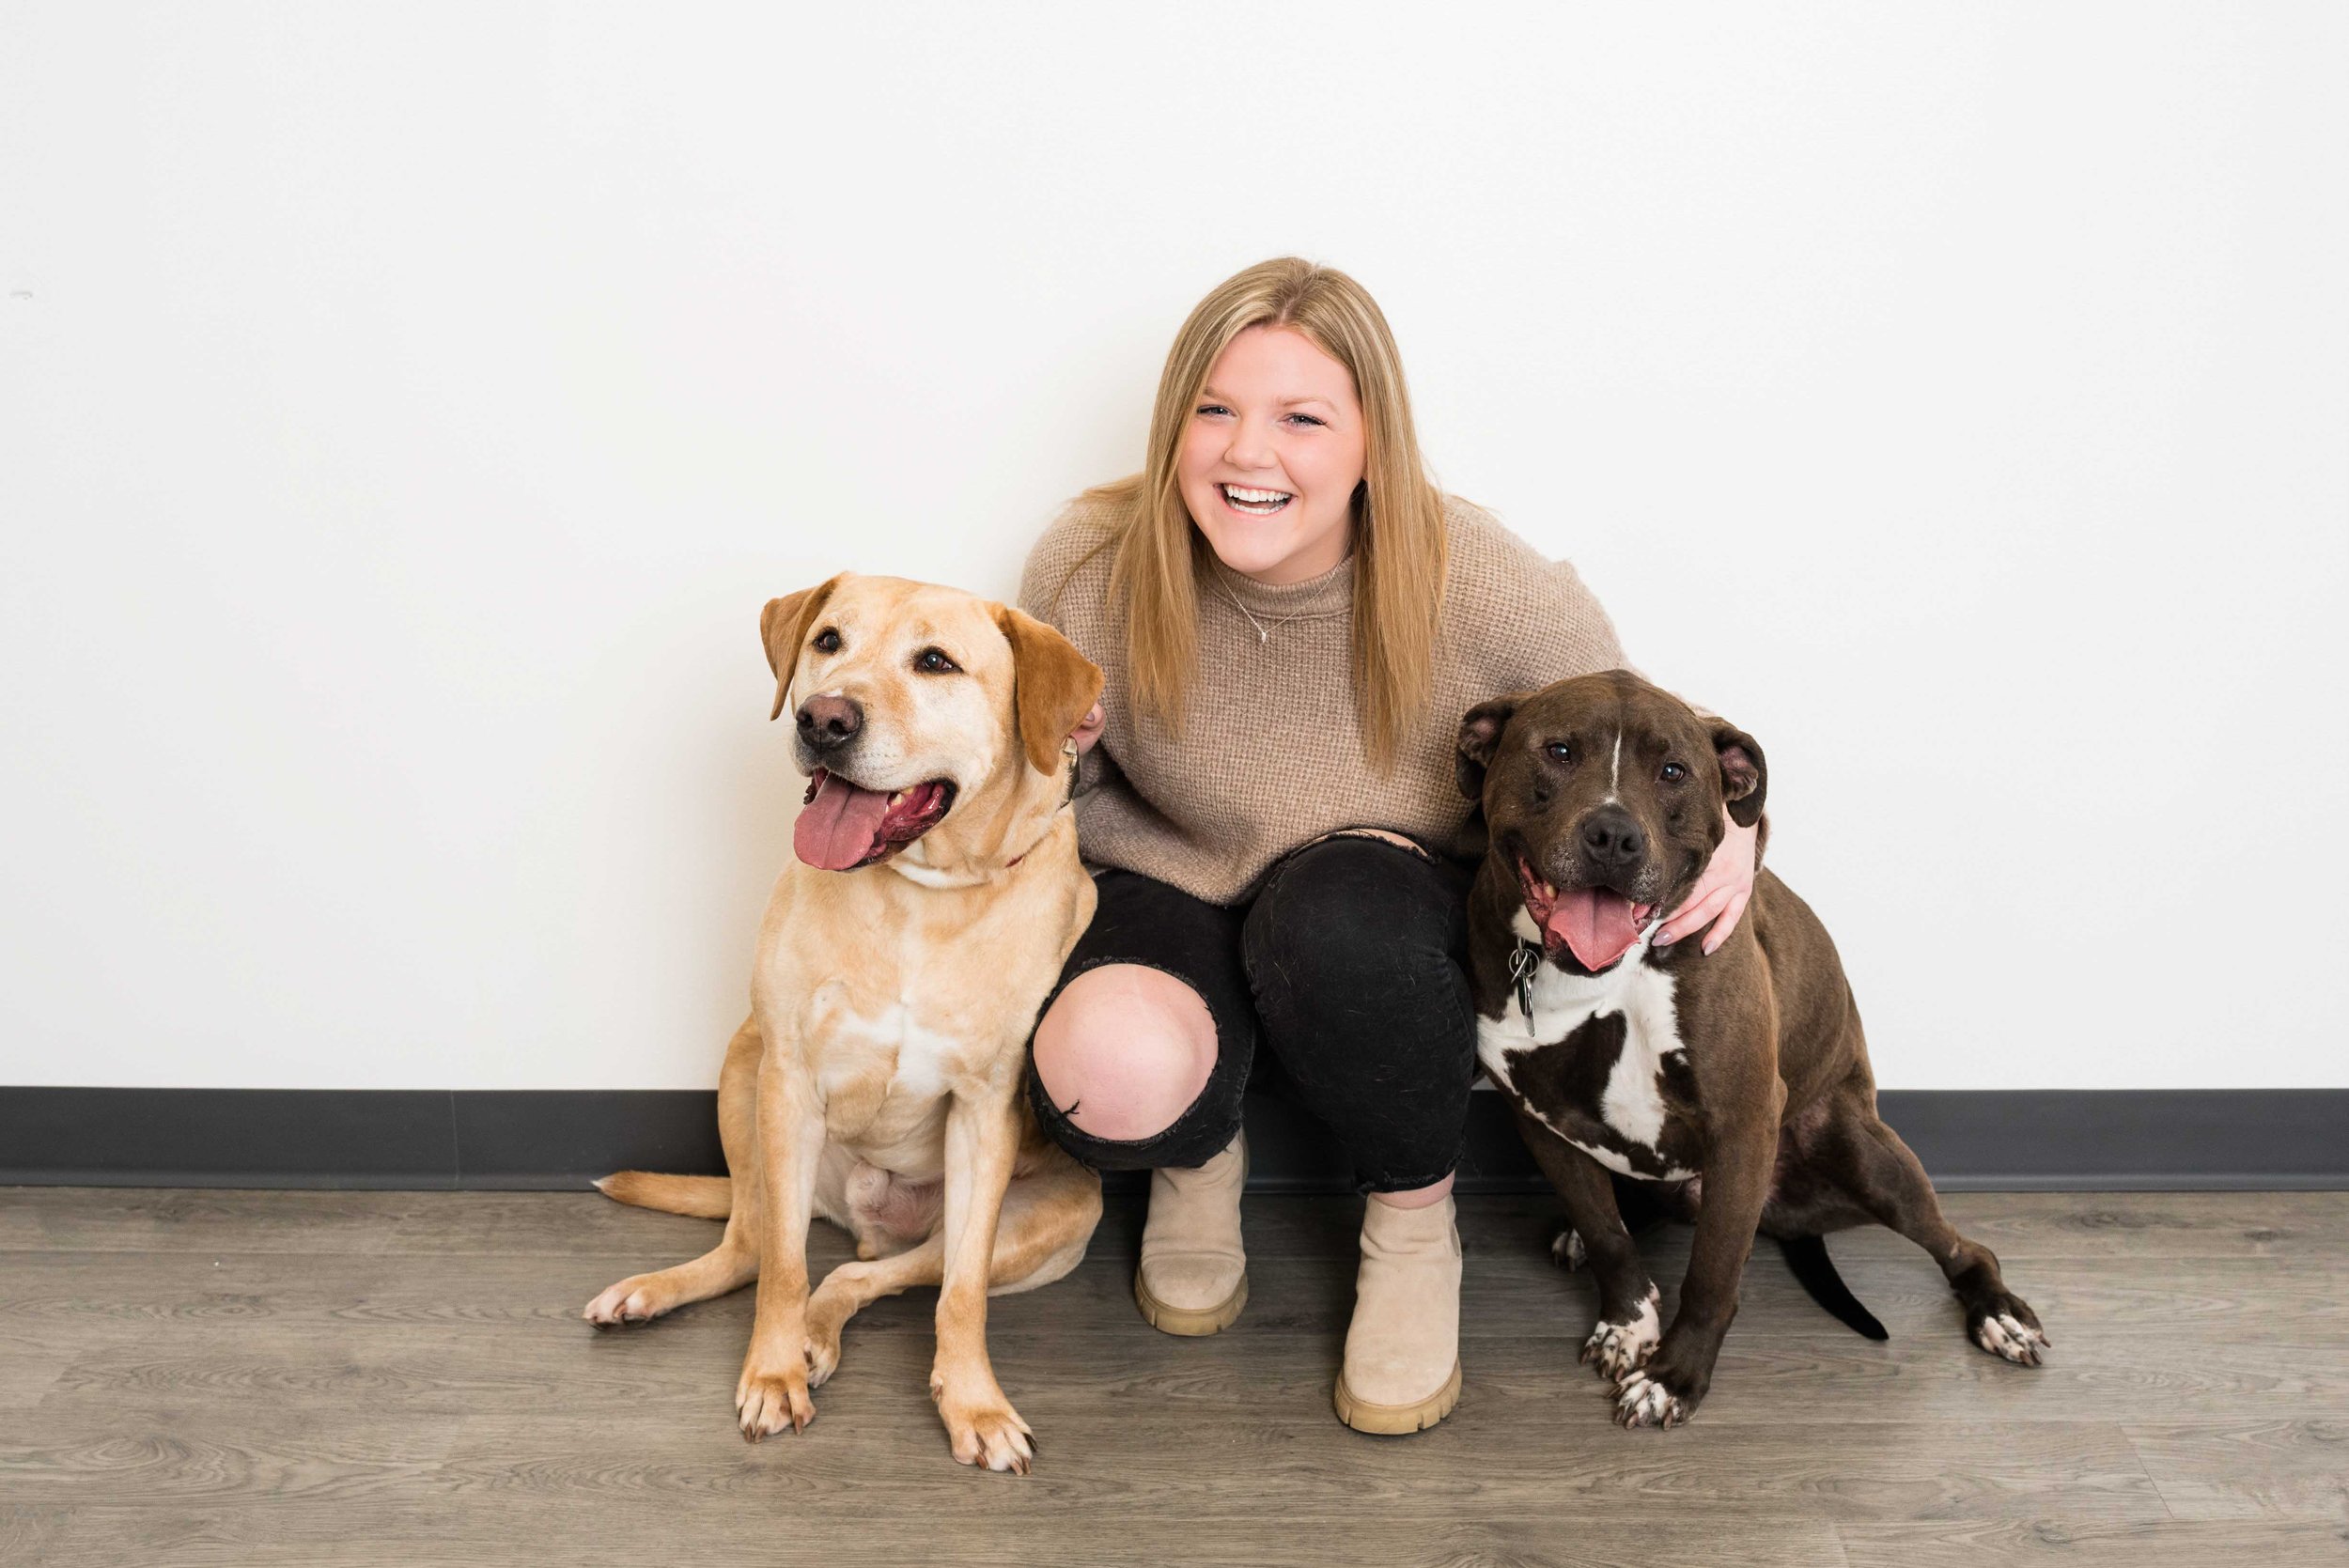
[[404, 411]]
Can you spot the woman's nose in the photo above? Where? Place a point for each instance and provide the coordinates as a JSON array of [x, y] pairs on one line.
[[1251, 447]]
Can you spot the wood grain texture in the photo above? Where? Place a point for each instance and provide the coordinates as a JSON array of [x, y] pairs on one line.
[[2087, 1544], [771, 1527], [210, 1378], [194, 1219], [26, 1375], [2250, 1469]]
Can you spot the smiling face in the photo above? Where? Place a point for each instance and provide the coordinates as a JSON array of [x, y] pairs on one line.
[[1272, 455], [1604, 796]]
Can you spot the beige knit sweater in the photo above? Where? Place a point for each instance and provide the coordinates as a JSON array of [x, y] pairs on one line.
[[1271, 751]]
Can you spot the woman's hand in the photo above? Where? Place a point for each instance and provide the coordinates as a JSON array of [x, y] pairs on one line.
[[1719, 898], [1088, 730]]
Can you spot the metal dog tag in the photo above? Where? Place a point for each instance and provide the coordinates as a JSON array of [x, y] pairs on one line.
[[1522, 963]]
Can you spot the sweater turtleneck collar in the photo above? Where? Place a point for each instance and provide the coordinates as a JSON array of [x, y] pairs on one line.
[[1330, 593]]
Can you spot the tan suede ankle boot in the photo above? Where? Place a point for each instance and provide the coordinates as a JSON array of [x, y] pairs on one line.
[[1402, 1371], [1193, 1276]]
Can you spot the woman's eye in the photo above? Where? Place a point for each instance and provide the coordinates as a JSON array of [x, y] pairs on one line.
[[1305, 418], [933, 662], [1673, 772], [827, 641], [1558, 751], [1213, 407]]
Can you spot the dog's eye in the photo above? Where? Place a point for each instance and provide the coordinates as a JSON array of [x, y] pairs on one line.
[[1673, 772], [827, 641], [1558, 751], [933, 662]]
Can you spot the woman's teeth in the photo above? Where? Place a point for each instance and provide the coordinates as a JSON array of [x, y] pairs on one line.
[[1257, 503]]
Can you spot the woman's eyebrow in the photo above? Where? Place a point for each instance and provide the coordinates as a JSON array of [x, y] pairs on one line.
[[1279, 403]]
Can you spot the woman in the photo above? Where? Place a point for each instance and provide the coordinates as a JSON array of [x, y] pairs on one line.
[[1292, 620]]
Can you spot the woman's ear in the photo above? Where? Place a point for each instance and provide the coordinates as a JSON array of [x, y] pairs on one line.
[[783, 627], [1053, 685], [1480, 739], [1744, 776]]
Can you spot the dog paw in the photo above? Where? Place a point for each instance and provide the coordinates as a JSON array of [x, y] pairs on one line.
[[1615, 1349], [1644, 1400], [634, 1299], [2009, 1330], [984, 1431], [823, 1354], [1566, 1249], [767, 1402]]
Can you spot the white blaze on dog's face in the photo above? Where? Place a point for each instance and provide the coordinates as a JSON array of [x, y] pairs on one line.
[[905, 698]]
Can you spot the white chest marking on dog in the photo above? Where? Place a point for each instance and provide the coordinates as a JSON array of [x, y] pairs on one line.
[[923, 1056], [1630, 1104], [928, 876]]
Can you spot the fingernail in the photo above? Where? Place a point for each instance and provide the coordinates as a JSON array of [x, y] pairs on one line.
[[1666, 941]]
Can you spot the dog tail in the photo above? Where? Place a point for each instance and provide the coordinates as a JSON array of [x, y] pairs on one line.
[[1815, 1272], [705, 1197]]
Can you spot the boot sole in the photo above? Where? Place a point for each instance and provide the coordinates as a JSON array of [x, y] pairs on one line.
[[1189, 1322], [1391, 1420]]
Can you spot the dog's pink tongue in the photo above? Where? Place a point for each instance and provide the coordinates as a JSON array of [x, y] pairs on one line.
[[838, 828], [1595, 924]]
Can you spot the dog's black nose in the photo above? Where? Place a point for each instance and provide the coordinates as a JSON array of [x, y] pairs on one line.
[[829, 722], [1612, 837]]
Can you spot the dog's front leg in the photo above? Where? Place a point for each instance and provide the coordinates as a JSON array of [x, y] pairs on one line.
[[1737, 1161], [982, 1140], [773, 1388]]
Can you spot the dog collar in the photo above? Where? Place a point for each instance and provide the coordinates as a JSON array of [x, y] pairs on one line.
[[1068, 750]]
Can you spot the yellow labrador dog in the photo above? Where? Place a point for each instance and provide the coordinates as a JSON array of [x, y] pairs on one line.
[[935, 892]]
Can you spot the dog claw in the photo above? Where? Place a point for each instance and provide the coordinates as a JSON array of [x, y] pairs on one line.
[[823, 1359], [993, 1444], [2008, 1338], [987, 1433], [628, 1302], [1641, 1400], [1566, 1249], [767, 1403], [1618, 1349]]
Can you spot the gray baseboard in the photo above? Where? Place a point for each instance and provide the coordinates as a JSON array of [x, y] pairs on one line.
[[2002, 1140]]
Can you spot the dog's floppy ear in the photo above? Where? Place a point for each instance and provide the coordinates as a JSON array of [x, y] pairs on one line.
[[1480, 738], [782, 625], [1744, 776], [1053, 685]]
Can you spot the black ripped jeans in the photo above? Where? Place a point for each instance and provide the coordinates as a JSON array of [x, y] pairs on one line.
[[1339, 985]]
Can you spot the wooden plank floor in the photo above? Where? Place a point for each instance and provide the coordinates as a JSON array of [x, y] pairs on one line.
[[205, 1378]]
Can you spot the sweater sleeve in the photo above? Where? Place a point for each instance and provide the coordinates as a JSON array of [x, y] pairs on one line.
[[1559, 630], [1527, 619], [1036, 586], [1583, 640], [1574, 589]]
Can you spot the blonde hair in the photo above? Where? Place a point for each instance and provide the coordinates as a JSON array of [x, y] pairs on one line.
[[1399, 543]]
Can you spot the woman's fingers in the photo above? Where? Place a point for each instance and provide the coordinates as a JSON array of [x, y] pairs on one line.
[[1695, 915], [1739, 899]]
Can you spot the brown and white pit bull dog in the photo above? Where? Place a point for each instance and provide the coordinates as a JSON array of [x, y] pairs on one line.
[[1738, 1080], [935, 893]]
